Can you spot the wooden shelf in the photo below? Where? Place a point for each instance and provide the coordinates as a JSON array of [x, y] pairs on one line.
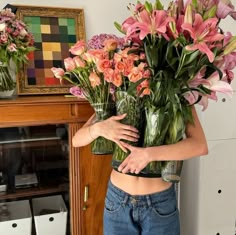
[[30, 143], [37, 191]]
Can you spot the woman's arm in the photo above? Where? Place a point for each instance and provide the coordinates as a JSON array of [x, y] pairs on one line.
[[110, 129], [194, 145]]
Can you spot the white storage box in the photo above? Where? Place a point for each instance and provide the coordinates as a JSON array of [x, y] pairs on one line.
[[19, 221], [50, 215]]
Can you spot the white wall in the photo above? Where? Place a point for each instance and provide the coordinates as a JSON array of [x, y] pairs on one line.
[[99, 15], [204, 209]]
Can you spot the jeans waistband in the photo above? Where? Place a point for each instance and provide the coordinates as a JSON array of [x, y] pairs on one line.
[[148, 198]]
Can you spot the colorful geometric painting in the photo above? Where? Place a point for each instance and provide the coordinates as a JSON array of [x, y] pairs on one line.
[[53, 37], [54, 30]]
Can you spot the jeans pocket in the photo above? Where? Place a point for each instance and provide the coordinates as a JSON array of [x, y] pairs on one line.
[[165, 208], [111, 204]]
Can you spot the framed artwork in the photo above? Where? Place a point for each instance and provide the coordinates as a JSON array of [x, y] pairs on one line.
[[55, 30]]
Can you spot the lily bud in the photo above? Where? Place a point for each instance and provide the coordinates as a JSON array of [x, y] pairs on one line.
[[210, 13], [188, 18], [231, 46], [180, 6]]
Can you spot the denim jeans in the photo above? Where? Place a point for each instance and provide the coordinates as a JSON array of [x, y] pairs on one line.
[[152, 214]]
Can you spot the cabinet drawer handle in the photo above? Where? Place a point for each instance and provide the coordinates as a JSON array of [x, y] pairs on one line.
[[86, 193]]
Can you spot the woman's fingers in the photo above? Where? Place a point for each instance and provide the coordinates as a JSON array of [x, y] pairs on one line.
[[129, 138], [127, 146], [121, 146], [129, 128], [119, 117]]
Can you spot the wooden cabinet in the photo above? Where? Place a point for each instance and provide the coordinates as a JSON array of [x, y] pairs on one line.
[[88, 173]]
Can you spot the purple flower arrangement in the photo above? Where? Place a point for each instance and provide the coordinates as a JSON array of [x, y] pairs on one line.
[[97, 41]]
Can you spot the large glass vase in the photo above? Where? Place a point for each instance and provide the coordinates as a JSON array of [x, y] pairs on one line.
[[133, 107], [101, 145], [163, 127], [156, 125]]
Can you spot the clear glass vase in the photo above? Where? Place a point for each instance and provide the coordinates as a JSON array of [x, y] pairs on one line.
[[133, 107], [101, 145], [7, 84], [162, 128], [156, 125], [171, 171]]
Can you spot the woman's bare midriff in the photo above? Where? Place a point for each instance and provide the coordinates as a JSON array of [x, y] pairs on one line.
[[135, 185]]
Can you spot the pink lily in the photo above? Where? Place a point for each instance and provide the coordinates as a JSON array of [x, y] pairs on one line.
[[230, 64], [155, 23], [204, 34], [225, 8], [217, 85], [205, 100], [126, 26]]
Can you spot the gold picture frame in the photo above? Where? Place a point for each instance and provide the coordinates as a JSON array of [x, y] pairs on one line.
[[55, 30]]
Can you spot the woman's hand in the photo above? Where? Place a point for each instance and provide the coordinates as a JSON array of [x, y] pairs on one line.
[[113, 130], [136, 161]]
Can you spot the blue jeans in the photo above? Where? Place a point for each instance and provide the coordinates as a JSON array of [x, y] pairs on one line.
[[153, 214]]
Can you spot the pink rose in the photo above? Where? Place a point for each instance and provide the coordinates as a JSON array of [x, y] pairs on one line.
[[58, 72], [79, 48], [144, 87], [110, 45], [117, 79], [77, 91], [79, 62], [94, 79], [97, 54], [69, 64], [135, 74], [103, 64], [108, 74], [120, 66]]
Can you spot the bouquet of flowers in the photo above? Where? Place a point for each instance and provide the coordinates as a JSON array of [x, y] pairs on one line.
[[15, 43], [130, 75], [190, 59], [88, 71]]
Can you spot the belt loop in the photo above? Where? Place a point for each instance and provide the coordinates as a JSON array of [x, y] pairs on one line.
[[149, 202], [125, 199]]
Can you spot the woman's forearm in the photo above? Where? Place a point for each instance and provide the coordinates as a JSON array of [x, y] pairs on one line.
[[194, 145], [84, 136], [110, 129], [184, 149]]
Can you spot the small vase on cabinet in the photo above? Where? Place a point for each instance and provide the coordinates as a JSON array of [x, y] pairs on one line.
[[7, 80]]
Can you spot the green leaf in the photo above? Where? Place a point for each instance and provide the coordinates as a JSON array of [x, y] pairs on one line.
[[158, 5], [170, 56], [132, 88], [118, 26], [148, 7], [214, 69]]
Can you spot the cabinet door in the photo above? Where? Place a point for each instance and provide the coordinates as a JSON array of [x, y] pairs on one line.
[[95, 171], [89, 178], [34, 166]]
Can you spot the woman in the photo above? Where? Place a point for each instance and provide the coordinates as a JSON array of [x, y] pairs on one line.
[[139, 205]]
